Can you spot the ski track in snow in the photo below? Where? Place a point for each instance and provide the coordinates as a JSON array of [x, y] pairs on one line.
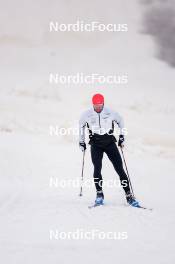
[[33, 208]]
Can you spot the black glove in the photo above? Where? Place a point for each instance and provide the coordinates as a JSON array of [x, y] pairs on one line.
[[121, 141], [82, 146]]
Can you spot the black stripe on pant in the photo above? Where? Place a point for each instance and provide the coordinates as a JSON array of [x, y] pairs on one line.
[[115, 157]]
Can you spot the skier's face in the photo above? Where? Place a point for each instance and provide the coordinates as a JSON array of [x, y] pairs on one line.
[[98, 107]]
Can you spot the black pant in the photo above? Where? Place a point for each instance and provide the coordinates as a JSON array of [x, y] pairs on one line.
[[113, 154]]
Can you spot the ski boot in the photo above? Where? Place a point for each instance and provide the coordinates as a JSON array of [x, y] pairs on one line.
[[99, 199], [131, 200]]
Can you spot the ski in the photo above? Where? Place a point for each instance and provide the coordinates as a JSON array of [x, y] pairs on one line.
[[143, 207], [140, 207], [95, 205]]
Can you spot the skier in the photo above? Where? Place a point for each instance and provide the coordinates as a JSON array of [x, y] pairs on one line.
[[100, 122]]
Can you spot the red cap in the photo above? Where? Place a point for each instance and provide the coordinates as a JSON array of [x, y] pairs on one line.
[[98, 99]]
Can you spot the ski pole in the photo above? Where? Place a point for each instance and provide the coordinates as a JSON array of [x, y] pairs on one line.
[[127, 171], [82, 174]]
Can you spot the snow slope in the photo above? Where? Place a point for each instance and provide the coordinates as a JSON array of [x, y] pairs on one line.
[[30, 157]]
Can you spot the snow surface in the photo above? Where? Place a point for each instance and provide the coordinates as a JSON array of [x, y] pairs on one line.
[[30, 157]]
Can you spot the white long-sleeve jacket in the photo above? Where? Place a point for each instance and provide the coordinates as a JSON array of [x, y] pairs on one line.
[[99, 123]]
